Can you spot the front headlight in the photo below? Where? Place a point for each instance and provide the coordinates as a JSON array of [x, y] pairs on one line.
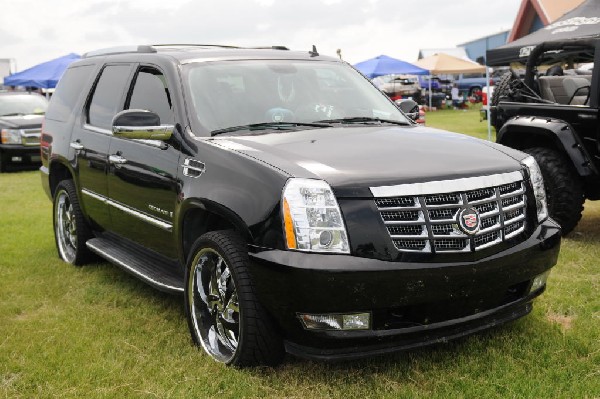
[[537, 181], [11, 136], [312, 217]]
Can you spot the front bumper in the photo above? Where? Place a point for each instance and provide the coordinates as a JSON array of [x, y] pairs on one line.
[[411, 304], [14, 154]]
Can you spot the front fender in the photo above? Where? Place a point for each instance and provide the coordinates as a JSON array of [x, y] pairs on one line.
[[240, 191], [525, 132]]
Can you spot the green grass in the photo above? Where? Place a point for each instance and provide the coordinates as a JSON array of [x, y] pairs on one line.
[[96, 332], [461, 121]]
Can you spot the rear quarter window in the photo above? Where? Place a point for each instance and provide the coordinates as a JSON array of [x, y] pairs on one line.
[[69, 88]]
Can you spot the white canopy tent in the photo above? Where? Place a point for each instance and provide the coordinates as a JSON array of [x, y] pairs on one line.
[[444, 63]]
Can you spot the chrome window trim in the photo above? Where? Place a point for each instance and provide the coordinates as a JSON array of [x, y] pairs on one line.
[[139, 215], [446, 186], [107, 132], [152, 143]]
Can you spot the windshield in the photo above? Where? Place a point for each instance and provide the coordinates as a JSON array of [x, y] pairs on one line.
[[238, 93], [22, 104]]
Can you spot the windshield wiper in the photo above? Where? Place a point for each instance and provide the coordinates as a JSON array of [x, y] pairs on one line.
[[268, 125], [363, 119]]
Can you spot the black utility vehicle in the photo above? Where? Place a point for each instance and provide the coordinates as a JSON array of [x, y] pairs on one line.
[[552, 114], [291, 202], [21, 116]]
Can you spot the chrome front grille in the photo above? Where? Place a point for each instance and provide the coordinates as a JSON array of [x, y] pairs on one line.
[[427, 221]]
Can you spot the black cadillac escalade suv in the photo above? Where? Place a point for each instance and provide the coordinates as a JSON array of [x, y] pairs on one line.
[[292, 203]]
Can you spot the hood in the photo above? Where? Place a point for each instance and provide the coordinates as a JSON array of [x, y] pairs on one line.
[[21, 121], [352, 159]]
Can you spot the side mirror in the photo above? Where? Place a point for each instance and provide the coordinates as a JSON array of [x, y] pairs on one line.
[[140, 124], [409, 107]]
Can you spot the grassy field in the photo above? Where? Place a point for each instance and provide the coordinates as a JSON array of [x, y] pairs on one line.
[[96, 332]]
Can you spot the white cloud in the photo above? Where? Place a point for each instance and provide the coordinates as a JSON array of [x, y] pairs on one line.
[[265, 3], [361, 28]]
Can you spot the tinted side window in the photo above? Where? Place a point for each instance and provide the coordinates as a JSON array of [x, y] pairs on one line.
[[108, 95], [67, 92], [150, 92]]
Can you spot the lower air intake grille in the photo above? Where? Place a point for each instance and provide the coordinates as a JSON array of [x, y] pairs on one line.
[[428, 220]]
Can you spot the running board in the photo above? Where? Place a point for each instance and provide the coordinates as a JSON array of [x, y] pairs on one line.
[[160, 275]]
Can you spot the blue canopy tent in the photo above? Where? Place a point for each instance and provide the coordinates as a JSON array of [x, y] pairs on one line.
[[44, 75], [384, 65]]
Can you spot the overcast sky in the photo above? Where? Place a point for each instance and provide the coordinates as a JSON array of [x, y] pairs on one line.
[[34, 31]]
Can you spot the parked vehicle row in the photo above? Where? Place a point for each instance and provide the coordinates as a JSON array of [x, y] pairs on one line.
[[470, 85], [21, 115]]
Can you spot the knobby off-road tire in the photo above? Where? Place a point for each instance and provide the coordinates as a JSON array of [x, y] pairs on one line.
[[70, 228], [564, 188], [503, 88], [223, 313]]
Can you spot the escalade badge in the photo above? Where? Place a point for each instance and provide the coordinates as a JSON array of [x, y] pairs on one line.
[[468, 220]]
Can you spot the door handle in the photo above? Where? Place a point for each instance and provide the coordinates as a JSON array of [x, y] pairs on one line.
[[117, 159], [76, 145]]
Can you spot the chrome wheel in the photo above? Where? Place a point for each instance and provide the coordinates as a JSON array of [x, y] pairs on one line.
[[65, 227], [214, 305]]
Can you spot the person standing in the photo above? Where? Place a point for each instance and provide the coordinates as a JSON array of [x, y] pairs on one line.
[[455, 96]]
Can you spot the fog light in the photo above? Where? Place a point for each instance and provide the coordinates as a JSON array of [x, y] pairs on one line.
[[539, 281], [352, 321], [16, 159]]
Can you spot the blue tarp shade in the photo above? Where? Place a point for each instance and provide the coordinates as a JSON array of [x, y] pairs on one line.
[[384, 65], [45, 75]]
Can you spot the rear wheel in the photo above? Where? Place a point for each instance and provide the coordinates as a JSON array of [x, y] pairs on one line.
[[70, 229], [224, 316], [564, 188]]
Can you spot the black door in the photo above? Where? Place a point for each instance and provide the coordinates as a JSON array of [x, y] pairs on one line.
[[90, 140], [142, 179]]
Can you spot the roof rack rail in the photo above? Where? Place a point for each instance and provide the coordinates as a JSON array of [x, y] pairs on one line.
[[120, 50], [192, 45], [269, 48], [221, 46], [153, 48]]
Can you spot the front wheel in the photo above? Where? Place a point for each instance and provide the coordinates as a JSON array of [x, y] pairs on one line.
[[70, 229], [564, 188], [224, 316]]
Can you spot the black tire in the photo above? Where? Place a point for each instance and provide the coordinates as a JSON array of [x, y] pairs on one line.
[[2, 163], [245, 338], [70, 228], [564, 188], [503, 88]]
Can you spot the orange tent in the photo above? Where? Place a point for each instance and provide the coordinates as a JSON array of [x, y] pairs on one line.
[[444, 63]]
